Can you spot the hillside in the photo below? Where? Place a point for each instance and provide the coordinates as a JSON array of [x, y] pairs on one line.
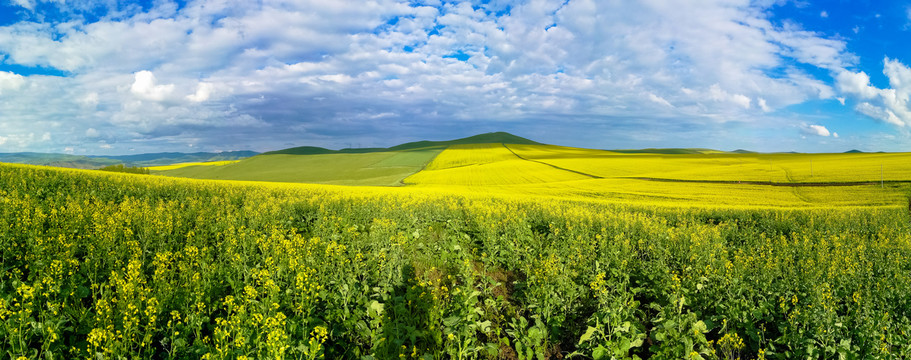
[[678, 151], [363, 166], [58, 160], [167, 158], [375, 168], [98, 161], [487, 138]]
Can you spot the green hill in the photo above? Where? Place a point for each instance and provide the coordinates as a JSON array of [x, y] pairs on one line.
[[98, 161], [672, 151], [365, 166], [386, 168], [301, 150], [487, 138]]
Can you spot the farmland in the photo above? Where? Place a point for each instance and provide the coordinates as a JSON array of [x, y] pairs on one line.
[[189, 164], [375, 168], [480, 251]]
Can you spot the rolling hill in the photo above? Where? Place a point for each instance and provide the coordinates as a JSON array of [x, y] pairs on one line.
[[364, 166], [98, 161], [487, 138]]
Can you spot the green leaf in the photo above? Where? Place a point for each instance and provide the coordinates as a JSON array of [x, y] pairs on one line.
[[638, 342], [600, 352], [588, 334], [451, 321], [624, 327], [700, 326], [376, 308]]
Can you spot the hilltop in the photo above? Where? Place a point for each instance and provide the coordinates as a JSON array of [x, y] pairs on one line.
[[351, 166], [98, 161], [681, 151], [487, 138]]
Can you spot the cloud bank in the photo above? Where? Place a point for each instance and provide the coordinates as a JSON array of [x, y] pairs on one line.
[[231, 74], [889, 105]]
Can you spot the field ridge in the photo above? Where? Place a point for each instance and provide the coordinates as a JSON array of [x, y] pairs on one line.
[[772, 183], [552, 165]]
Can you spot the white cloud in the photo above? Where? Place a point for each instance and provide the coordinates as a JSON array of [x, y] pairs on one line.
[[763, 105], [146, 87], [203, 92], [28, 4], [91, 133], [90, 99], [879, 113], [890, 105], [824, 14], [10, 82], [835, 135], [717, 94], [210, 68], [106, 146], [817, 130], [659, 100], [855, 84]]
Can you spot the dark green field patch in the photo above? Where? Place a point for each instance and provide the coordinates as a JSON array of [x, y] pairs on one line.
[[376, 168]]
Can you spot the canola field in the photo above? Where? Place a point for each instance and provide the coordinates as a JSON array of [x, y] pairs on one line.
[[386, 168], [189, 164], [552, 259], [702, 180]]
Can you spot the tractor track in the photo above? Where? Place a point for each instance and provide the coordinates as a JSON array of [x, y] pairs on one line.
[[551, 165]]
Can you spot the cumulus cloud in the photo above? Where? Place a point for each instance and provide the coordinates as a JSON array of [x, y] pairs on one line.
[[146, 87], [314, 71], [717, 94], [28, 4], [890, 105], [10, 82], [203, 92], [817, 130]]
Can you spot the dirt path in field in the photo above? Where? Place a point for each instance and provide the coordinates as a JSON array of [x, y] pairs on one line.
[[769, 183], [553, 166]]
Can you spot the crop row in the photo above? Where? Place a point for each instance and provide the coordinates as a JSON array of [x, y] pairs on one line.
[[103, 265]]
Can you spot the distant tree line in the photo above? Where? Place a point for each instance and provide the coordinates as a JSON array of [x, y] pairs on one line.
[[125, 169]]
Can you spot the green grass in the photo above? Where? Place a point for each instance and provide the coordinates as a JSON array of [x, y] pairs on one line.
[[487, 138], [377, 168]]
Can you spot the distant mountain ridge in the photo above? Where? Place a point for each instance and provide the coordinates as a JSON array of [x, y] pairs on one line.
[[98, 161], [167, 158], [486, 138]]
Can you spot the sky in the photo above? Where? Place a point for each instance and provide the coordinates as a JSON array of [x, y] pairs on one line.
[[116, 77]]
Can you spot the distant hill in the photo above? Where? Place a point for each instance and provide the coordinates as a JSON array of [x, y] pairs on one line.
[[487, 138], [315, 150], [167, 158], [98, 161], [494, 137], [59, 160], [671, 151], [854, 151], [364, 166]]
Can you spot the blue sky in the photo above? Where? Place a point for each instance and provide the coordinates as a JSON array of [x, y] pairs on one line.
[[111, 77]]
